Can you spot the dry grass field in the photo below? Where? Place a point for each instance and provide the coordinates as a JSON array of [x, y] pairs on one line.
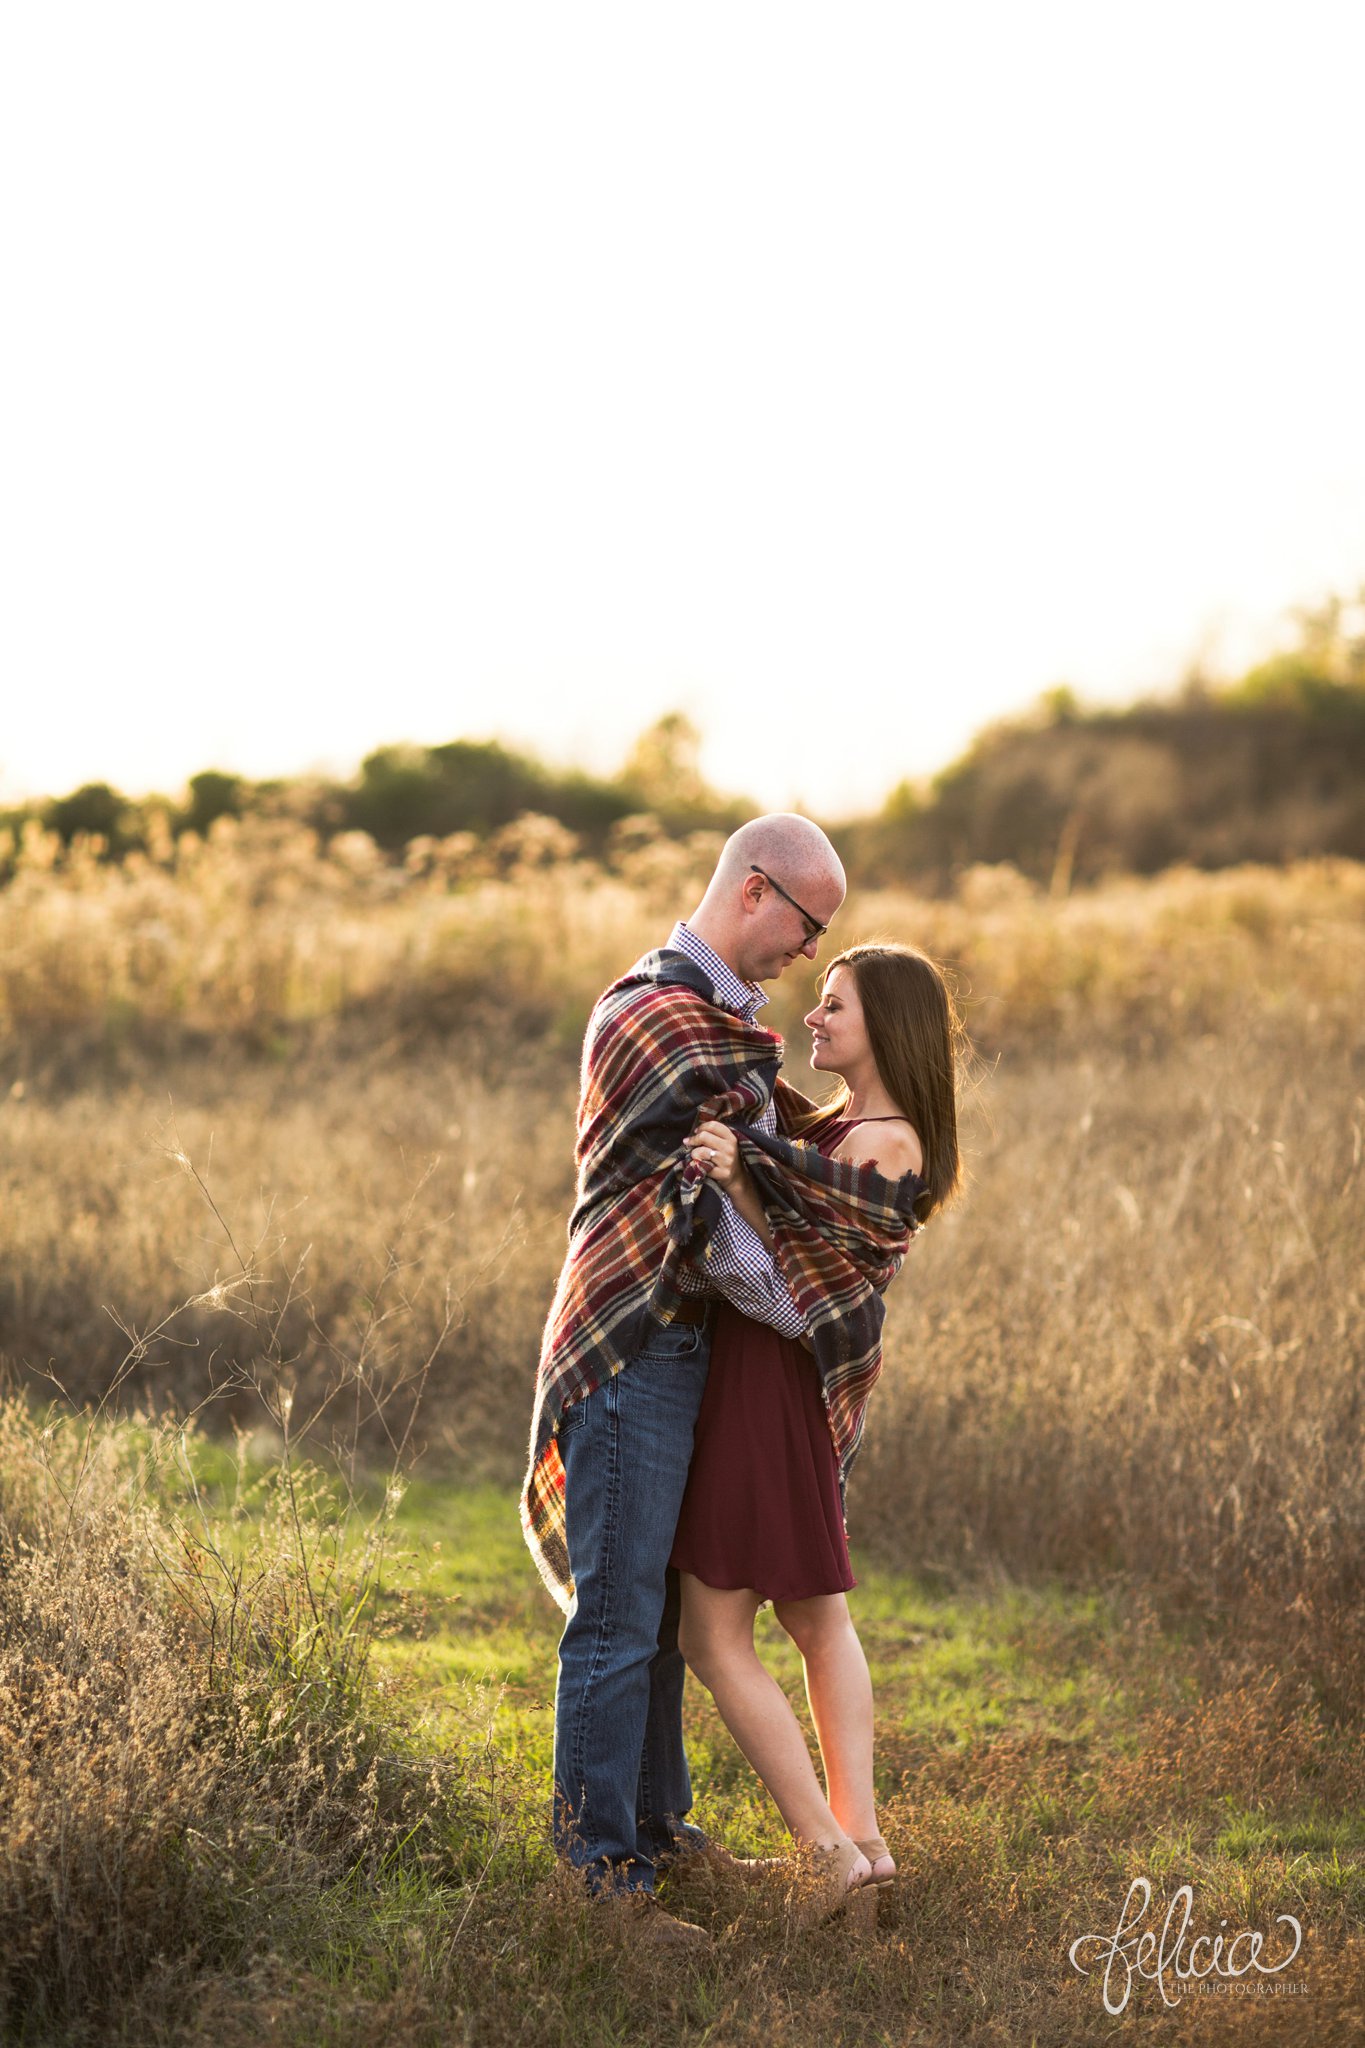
[[285, 1136]]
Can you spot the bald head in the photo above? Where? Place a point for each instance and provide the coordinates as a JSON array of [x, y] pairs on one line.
[[793, 847], [777, 878]]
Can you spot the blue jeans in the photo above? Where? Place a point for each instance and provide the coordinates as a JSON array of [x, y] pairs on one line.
[[621, 1784]]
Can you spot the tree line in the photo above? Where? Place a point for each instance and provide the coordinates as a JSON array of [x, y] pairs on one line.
[[1268, 768]]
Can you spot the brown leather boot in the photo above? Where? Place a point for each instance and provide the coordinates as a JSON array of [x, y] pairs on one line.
[[699, 1867], [638, 1918]]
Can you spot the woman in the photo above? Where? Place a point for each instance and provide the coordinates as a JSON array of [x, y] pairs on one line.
[[762, 1516]]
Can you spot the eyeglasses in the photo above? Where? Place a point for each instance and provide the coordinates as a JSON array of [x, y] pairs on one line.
[[814, 928]]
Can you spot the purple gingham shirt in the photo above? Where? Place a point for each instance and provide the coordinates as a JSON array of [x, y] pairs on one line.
[[740, 1266]]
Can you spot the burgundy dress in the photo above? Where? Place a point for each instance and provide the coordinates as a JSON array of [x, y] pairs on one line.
[[762, 1502]]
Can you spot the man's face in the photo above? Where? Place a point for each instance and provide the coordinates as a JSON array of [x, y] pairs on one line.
[[780, 928]]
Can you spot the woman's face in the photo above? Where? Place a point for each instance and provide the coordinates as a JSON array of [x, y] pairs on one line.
[[837, 1027]]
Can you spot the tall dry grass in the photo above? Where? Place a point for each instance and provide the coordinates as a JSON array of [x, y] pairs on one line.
[[195, 1767], [386, 1203], [261, 931], [288, 1131], [1137, 1351], [1134, 1352], [263, 938]]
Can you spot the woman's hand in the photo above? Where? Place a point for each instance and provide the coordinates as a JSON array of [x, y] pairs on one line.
[[715, 1148]]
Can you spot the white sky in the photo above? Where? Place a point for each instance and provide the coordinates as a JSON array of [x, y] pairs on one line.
[[841, 375]]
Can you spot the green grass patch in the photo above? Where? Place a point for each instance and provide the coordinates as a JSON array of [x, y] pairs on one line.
[[1038, 1748]]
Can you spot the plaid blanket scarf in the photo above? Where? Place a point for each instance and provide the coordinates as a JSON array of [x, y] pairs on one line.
[[659, 1056]]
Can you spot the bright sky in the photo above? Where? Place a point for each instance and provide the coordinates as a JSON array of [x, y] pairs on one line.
[[843, 376]]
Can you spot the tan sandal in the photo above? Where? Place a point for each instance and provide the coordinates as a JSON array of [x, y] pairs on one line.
[[876, 1851], [825, 1883]]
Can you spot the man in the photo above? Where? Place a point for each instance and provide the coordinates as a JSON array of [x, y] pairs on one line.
[[627, 1344]]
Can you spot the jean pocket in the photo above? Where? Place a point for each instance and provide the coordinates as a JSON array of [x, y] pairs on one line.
[[673, 1341], [574, 1416]]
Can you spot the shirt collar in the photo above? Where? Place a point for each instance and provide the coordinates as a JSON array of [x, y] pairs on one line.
[[745, 998]]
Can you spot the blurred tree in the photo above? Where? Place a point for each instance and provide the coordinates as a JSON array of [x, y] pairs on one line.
[[1060, 705], [590, 807], [662, 775], [475, 786], [1332, 635], [1325, 671], [664, 765], [1269, 768], [905, 802], [94, 807], [400, 797], [485, 784], [212, 795]]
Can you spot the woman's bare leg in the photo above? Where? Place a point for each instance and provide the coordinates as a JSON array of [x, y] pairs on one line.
[[840, 1693], [716, 1636]]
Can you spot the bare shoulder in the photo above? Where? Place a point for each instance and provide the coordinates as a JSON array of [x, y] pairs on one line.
[[894, 1146]]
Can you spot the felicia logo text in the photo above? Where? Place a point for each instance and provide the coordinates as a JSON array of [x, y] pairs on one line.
[[1167, 1954]]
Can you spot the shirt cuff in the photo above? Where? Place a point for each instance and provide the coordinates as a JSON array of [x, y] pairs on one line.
[[741, 1268]]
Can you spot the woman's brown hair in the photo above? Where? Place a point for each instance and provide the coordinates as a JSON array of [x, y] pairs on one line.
[[916, 1034]]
